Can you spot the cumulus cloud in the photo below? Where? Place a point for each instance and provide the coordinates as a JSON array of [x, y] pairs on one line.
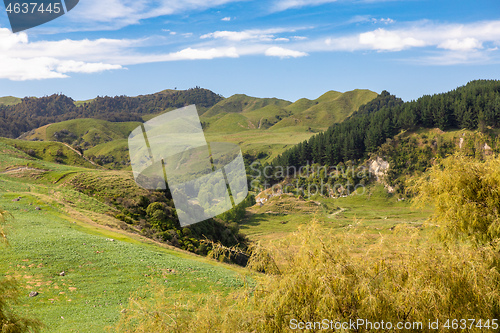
[[22, 60], [227, 19], [281, 52], [17, 69], [197, 54], [451, 37]]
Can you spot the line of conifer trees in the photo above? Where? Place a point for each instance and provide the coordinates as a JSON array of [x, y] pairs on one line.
[[475, 105]]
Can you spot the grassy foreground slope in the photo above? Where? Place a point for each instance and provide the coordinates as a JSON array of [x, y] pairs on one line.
[[100, 274], [20, 153], [56, 228]]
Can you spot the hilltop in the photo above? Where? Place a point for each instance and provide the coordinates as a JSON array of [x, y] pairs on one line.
[[240, 112], [10, 100]]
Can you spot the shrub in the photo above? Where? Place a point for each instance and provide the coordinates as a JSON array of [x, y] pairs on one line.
[[466, 196], [315, 277], [31, 152]]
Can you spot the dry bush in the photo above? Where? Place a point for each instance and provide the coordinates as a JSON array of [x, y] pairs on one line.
[[466, 196], [316, 277]]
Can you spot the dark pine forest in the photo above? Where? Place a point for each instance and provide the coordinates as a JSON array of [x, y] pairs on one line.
[[473, 106]]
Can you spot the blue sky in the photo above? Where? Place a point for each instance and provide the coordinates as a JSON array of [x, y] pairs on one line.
[[280, 48]]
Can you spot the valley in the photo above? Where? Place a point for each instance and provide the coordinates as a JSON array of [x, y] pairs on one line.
[[104, 254]]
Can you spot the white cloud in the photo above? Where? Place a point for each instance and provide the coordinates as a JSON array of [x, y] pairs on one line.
[[384, 40], [288, 4], [71, 66], [428, 35], [39, 68], [119, 13], [465, 44], [197, 54], [281, 52], [227, 19], [22, 59], [253, 34], [383, 20], [449, 58]]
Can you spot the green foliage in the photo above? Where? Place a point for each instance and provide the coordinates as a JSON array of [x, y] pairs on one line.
[[466, 195], [412, 155], [238, 213], [364, 130]]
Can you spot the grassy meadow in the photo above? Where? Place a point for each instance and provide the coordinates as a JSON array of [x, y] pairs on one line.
[[102, 266]]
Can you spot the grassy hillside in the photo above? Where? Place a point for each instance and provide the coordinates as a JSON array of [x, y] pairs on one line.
[[102, 267], [104, 264], [258, 125], [372, 213], [19, 153], [243, 103], [63, 220], [332, 107], [9, 100], [92, 131]]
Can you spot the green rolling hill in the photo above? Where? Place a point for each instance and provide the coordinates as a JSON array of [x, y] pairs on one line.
[[60, 221], [84, 132], [267, 125], [271, 113]]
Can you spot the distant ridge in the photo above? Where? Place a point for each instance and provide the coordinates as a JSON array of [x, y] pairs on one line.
[[32, 112], [241, 112], [264, 126]]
